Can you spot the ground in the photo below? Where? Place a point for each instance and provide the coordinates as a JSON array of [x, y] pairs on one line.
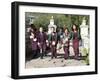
[[56, 62]]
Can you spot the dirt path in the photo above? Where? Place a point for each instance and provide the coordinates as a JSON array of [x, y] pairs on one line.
[[58, 62]]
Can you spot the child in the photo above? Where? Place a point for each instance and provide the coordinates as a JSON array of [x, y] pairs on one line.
[[34, 44], [53, 44], [66, 43]]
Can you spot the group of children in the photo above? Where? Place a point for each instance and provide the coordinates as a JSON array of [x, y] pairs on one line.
[[41, 40]]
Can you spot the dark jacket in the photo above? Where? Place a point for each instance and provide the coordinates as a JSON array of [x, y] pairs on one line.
[[42, 37], [72, 37], [34, 45], [54, 38]]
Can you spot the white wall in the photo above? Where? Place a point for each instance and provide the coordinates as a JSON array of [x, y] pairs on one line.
[[5, 41]]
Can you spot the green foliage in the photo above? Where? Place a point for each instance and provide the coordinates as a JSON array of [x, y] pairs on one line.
[[43, 19], [85, 52], [87, 60]]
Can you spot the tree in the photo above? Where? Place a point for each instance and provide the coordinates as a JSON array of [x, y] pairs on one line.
[[42, 19]]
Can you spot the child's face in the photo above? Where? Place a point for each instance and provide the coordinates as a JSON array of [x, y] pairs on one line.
[[66, 31], [60, 30], [74, 27], [41, 29], [52, 29], [32, 35]]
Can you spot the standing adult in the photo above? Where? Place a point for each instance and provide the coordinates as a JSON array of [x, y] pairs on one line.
[[53, 43], [66, 43], [29, 35], [42, 42], [75, 36], [60, 35], [34, 44]]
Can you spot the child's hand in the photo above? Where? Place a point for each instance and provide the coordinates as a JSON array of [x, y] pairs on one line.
[[34, 39]]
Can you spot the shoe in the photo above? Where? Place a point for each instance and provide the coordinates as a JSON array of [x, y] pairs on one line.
[[65, 58], [41, 57]]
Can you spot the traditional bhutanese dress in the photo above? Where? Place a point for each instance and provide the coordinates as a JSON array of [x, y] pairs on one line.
[[75, 36], [66, 45]]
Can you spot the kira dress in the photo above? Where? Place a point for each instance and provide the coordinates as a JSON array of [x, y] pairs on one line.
[[75, 36], [53, 44], [66, 45]]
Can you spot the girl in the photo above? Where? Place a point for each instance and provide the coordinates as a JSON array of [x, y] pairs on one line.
[[34, 44], [66, 43], [53, 44], [75, 36]]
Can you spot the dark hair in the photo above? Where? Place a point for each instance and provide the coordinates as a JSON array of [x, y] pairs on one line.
[[75, 26], [61, 28], [58, 29], [32, 25], [53, 27], [65, 29], [33, 33]]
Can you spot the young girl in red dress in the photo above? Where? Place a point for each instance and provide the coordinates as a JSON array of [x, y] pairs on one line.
[[75, 36]]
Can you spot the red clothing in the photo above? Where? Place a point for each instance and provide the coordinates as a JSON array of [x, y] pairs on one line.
[[34, 45], [76, 43]]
